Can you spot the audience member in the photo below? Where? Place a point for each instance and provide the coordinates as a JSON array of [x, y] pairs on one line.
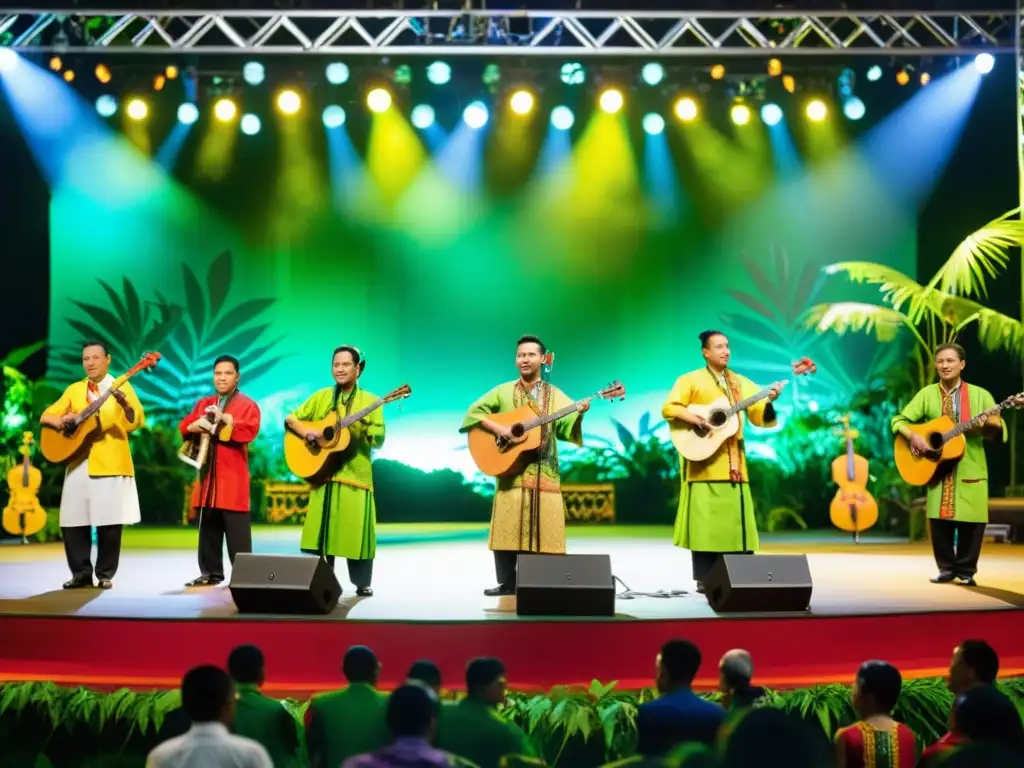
[[427, 673], [974, 663], [260, 717], [770, 737], [351, 721], [473, 729], [208, 698], [981, 715], [876, 740], [678, 715], [735, 673]]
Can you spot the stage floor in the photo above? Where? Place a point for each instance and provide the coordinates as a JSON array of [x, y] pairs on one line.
[[442, 578]]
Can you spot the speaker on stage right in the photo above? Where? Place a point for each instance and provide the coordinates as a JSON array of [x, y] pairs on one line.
[[759, 584]]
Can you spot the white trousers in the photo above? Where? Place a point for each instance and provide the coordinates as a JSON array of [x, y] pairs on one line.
[[98, 501]]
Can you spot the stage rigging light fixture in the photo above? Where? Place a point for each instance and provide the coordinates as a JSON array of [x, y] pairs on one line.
[[521, 102], [789, 83], [103, 73], [250, 125], [225, 110], [422, 116], [718, 72], [333, 116], [56, 64], [925, 78], [159, 82], [253, 73], [171, 72], [562, 118], [8, 59], [137, 109], [476, 115], [686, 109], [740, 114], [653, 123], [188, 113], [572, 73], [874, 73], [288, 102], [652, 73], [771, 114], [439, 72], [611, 101], [403, 74], [774, 67], [854, 108], [816, 110], [902, 77], [984, 62], [378, 100], [336, 73], [69, 75], [106, 105]]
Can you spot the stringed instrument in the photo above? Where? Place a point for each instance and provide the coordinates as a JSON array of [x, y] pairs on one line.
[[946, 441], [696, 444], [72, 442], [315, 461], [497, 456], [24, 515], [853, 508], [196, 447]]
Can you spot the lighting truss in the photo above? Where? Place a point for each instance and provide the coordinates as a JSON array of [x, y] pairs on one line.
[[574, 33]]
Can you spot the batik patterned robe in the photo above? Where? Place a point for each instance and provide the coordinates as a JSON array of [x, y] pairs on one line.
[[349, 527], [962, 494], [716, 509], [528, 514]]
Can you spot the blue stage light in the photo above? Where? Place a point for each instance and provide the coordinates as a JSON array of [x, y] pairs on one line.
[[476, 115], [653, 123], [771, 114], [984, 62], [854, 108], [336, 73], [333, 116], [875, 73], [439, 72], [652, 73], [562, 118], [253, 73], [250, 125], [188, 113], [106, 105], [422, 116]]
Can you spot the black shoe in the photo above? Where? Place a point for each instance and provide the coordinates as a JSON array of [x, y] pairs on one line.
[[967, 581], [204, 581], [78, 584], [364, 592], [700, 587], [942, 578], [106, 584], [502, 590]]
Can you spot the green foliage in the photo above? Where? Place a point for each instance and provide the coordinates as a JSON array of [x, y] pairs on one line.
[[160, 477], [406, 494], [571, 725]]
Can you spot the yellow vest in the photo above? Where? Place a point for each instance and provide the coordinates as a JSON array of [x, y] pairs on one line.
[[109, 454]]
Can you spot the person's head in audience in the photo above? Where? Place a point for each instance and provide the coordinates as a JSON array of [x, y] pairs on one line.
[[412, 712], [876, 689], [974, 663], [246, 665], [980, 754], [360, 665], [426, 672], [735, 671], [677, 665], [208, 695], [986, 714], [486, 681], [771, 737]]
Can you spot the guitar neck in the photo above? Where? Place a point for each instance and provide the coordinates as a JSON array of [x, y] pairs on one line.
[[963, 426], [742, 405], [352, 418], [540, 421], [96, 404]]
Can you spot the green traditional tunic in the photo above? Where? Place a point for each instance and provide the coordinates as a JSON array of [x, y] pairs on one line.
[[349, 528], [475, 731], [961, 494], [528, 514]]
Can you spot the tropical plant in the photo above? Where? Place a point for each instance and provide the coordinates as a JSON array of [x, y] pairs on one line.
[[189, 335]]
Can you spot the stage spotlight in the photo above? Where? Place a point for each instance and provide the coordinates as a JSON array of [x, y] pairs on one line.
[[984, 62], [106, 105], [902, 77], [103, 73], [159, 82], [378, 100], [874, 73], [336, 73], [774, 67], [188, 113], [288, 101], [925, 78], [653, 123], [521, 102], [8, 59], [562, 118], [652, 73], [475, 115], [422, 116], [816, 110], [225, 110], [253, 73], [611, 101], [137, 109], [250, 125], [686, 109], [171, 72], [854, 108], [333, 116], [789, 83], [491, 75], [56, 64], [572, 73], [718, 72], [439, 72], [740, 114], [771, 114], [69, 76]]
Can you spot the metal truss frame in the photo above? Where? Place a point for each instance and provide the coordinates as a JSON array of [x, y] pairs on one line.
[[576, 34]]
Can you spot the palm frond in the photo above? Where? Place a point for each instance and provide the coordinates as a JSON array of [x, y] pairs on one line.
[[897, 289], [980, 257], [996, 331], [857, 317]]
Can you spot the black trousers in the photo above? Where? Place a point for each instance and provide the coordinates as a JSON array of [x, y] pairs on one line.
[[360, 572], [703, 562], [957, 546], [505, 567], [78, 549], [216, 525]]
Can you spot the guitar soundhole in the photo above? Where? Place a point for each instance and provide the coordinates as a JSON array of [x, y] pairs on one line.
[[517, 430], [328, 433], [935, 441], [717, 418]]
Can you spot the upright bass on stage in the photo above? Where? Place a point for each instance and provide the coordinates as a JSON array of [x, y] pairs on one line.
[[853, 508], [24, 515]]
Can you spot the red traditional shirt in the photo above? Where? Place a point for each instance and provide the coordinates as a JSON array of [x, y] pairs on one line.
[[947, 742], [224, 480], [862, 746]]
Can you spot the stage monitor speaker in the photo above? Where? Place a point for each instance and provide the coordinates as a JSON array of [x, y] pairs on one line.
[[757, 583], [293, 584], [565, 585]]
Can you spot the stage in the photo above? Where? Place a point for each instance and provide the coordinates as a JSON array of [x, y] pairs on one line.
[[871, 600]]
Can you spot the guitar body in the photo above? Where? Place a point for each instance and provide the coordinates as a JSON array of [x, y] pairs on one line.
[[24, 515], [316, 462], [60, 446], [696, 447], [921, 470], [853, 509], [497, 461]]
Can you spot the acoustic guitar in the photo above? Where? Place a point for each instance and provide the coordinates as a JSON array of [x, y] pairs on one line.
[[496, 456], [316, 461], [946, 443], [853, 508], [73, 440], [24, 515], [696, 444]]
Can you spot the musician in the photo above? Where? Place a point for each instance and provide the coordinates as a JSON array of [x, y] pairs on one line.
[[99, 490], [957, 501], [528, 514], [341, 517], [220, 497], [716, 509]]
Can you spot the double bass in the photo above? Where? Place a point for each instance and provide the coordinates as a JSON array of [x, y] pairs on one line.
[[853, 509], [24, 515]]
